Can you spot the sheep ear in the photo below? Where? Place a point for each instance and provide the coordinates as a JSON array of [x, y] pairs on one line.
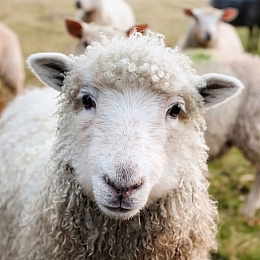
[[50, 68], [188, 12], [219, 88], [74, 28], [137, 28], [229, 14]]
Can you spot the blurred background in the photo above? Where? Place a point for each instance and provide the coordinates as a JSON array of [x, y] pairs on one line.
[[40, 26]]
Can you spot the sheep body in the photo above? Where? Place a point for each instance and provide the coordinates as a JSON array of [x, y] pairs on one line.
[[121, 180], [31, 112], [249, 16], [115, 13], [11, 60], [208, 31], [238, 125]]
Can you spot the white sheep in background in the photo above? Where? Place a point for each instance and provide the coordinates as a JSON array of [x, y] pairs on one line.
[[124, 178], [87, 32], [208, 31], [116, 13], [11, 60], [238, 123]]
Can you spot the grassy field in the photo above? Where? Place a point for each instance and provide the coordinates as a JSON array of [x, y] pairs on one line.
[[40, 27]]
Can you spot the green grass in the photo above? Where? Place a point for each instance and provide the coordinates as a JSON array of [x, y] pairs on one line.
[[231, 178], [40, 27], [200, 56]]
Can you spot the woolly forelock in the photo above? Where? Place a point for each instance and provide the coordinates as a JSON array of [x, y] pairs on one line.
[[180, 225], [138, 59]]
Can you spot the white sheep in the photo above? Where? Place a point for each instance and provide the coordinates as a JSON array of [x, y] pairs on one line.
[[116, 13], [11, 60], [207, 30], [238, 123], [88, 32], [124, 177]]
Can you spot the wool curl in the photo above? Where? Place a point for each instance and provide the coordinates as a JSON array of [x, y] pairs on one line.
[[138, 59]]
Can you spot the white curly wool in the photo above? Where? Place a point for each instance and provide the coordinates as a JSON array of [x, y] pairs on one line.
[[124, 177]]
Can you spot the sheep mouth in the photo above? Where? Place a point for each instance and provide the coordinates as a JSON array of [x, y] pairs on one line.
[[118, 209]]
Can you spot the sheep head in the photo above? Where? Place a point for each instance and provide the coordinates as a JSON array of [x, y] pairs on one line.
[[88, 32], [206, 22], [131, 118]]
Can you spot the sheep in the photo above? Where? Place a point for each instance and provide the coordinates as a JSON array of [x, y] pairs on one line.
[[87, 32], [12, 72], [249, 16], [124, 177], [208, 31], [238, 124], [115, 13]]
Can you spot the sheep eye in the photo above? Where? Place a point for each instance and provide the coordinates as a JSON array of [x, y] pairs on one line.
[[85, 44], [88, 102], [174, 110]]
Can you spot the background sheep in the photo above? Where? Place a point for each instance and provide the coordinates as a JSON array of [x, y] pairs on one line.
[[238, 123], [115, 13], [208, 31], [125, 177], [11, 61], [32, 112], [249, 16], [87, 32]]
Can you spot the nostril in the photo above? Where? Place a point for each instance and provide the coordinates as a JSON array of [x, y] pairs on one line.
[[85, 44], [135, 186], [208, 36], [78, 4], [122, 189], [107, 180]]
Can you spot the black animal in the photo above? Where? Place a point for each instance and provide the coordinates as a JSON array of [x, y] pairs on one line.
[[249, 16]]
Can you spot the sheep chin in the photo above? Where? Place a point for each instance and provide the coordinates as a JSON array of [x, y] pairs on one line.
[[119, 213]]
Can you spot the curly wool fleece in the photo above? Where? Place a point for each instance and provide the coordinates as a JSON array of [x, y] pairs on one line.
[[177, 226], [146, 62]]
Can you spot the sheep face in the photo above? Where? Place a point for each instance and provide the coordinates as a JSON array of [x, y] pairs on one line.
[[88, 32], [91, 32], [125, 148], [206, 22], [132, 115], [207, 27]]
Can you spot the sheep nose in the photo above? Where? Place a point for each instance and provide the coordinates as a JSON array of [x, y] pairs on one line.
[[122, 190], [86, 44], [78, 4], [208, 36]]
